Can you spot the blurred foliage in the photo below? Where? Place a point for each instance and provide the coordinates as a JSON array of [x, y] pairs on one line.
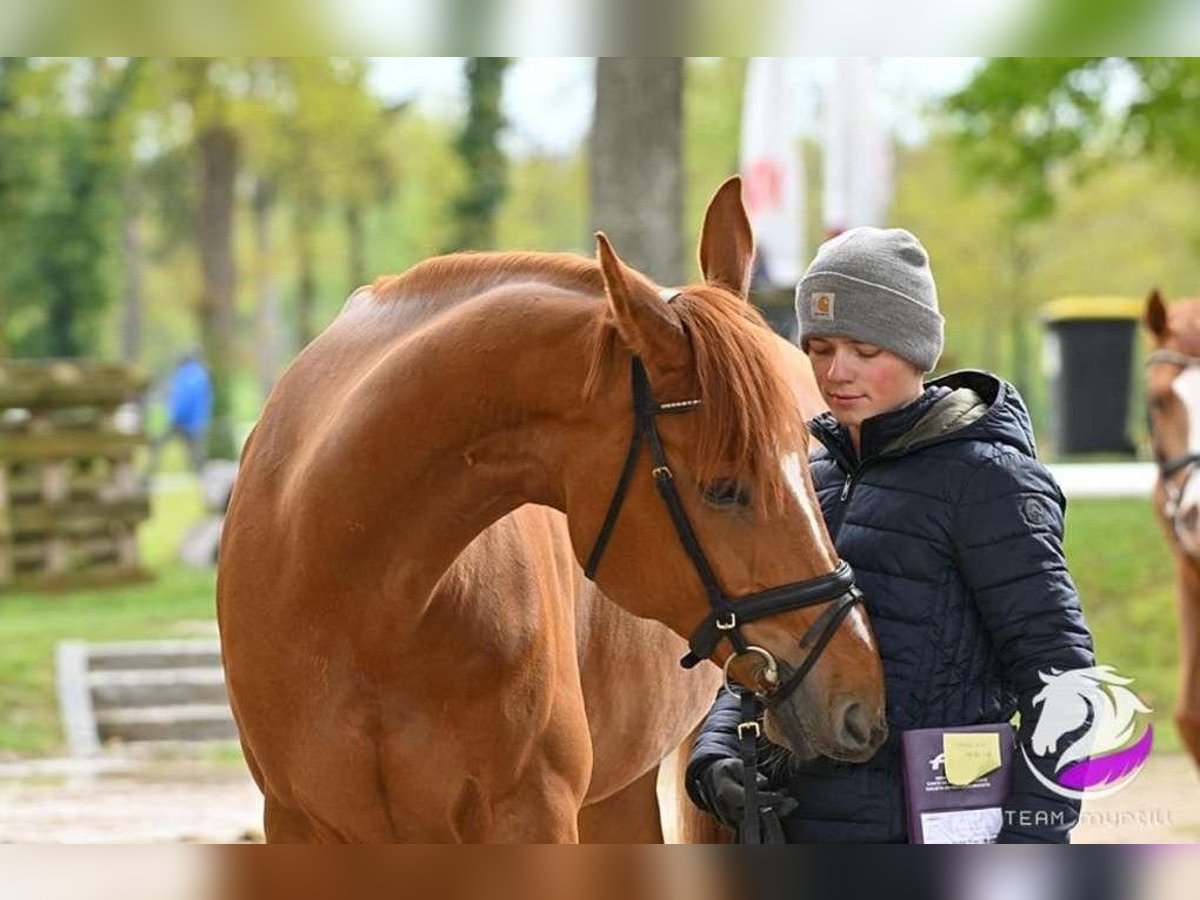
[[1033, 124], [1037, 126], [60, 164], [1019, 116], [1120, 232], [1058, 25], [712, 116], [483, 159], [333, 189]]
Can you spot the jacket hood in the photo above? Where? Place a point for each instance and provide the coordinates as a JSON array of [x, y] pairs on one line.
[[963, 405]]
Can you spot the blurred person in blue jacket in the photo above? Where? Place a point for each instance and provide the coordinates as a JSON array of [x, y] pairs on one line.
[[189, 410]]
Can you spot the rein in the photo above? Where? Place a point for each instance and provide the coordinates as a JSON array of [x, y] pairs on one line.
[[726, 618], [1187, 462]]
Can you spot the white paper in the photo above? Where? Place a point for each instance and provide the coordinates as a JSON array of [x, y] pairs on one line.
[[964, 826]]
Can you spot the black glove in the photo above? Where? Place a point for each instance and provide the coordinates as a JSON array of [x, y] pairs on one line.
[[722, 786]]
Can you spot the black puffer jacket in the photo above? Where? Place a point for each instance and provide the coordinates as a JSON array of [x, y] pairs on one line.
[[954, 530]]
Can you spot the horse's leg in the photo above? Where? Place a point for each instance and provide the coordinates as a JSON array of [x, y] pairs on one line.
[[630, 816], [1187, 707]]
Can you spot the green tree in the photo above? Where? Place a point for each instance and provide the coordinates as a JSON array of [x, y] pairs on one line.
[[1033, 125], [60, 185], [209, 89], [315, 142], [483, 158], [79, 229], [1015, 124], [16, 177]]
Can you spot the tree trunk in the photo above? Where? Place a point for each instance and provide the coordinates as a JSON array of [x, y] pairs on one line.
[[306, 263], [268, 320], [218, 147], [1019, 312], [637, 162], [356, 245], [133, 259]]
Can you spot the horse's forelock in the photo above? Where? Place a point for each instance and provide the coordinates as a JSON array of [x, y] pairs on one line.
[[749, 420]]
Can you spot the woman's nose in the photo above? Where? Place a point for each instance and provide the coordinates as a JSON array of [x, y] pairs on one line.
[[838, 368]]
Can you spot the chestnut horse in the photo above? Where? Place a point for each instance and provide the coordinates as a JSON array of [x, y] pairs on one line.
[[1173, 407], [411, 649]]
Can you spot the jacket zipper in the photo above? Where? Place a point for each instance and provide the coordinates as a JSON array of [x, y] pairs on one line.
[[852, 474]]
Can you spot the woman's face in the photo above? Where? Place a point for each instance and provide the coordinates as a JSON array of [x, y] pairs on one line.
[[859, 380]]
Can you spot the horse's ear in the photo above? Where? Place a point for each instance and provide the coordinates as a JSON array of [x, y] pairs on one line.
[[726, 241], [646, 324], [1155, 317]]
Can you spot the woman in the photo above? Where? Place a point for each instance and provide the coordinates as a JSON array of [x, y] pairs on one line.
[[934, 495]]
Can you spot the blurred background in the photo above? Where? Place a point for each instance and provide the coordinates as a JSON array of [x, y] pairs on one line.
[[175, 230]]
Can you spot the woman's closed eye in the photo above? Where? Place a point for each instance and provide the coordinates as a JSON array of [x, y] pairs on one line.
[[866, 351], [725, 493]]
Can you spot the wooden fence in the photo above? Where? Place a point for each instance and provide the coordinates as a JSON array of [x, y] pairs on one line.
[[71, 498]]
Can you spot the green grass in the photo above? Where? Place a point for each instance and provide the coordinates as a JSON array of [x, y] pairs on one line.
[[175, 604], [1125, 574], [1118, 558]]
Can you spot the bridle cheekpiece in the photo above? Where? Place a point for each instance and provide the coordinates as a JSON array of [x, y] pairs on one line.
[[727, 614]]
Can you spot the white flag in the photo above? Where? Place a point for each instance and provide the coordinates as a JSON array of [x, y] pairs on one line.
[[771, 171], [858, 149]]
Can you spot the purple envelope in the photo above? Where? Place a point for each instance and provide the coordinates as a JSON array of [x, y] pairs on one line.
[[941, 813]]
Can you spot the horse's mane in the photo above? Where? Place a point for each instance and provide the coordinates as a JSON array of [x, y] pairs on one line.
[[460, 276], [749, 419]]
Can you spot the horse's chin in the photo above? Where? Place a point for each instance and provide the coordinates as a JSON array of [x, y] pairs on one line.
[[784, 727], [787, 732]]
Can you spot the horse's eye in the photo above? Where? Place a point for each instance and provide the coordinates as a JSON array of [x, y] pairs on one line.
[[724, 493]]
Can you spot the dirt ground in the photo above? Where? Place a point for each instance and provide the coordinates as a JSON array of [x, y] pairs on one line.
[[190, 801]]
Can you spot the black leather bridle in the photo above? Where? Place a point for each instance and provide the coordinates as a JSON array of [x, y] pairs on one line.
[[1187, 462], [726, 617]]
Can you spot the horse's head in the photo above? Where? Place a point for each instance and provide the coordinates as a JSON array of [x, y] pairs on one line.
[[1066, 701], [1173, 409], [1095, 696], [718, 505]]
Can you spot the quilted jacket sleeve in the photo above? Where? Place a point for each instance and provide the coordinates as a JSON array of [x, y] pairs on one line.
[[717, 739], [1009, 545]]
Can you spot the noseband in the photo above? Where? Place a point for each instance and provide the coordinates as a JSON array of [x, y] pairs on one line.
[[1169, 468], [726, 617]]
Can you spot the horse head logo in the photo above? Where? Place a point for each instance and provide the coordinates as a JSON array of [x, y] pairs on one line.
[[1098, 759]]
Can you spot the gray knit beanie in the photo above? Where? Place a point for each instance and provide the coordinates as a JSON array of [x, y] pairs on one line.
[[873, 285]]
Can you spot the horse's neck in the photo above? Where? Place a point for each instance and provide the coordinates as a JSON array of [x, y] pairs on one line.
[[449, 429], [1188, 576]]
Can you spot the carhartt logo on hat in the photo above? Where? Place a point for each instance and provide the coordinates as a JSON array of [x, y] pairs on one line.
[[822, 305], [884, 290]]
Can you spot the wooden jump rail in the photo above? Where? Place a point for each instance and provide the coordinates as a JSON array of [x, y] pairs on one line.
[[70, 496]]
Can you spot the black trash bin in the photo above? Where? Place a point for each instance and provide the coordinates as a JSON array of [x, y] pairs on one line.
[[1088, 361]]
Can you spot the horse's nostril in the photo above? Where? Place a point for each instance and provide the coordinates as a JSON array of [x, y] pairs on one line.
[[856, 726]]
